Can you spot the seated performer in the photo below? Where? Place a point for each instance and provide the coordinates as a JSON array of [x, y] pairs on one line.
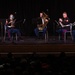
[[63, 22], [10, 26], [41, 24]]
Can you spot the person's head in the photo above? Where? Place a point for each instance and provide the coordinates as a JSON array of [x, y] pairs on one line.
[[65, 15], [41, 14], [11, 16]]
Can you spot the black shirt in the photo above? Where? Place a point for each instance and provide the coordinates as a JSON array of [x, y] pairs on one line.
[[66, 23], [39, 20]]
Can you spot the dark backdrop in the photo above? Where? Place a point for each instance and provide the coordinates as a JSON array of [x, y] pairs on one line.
[[30, 9]]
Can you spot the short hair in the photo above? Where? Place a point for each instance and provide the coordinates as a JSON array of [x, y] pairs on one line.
[[64, 12]]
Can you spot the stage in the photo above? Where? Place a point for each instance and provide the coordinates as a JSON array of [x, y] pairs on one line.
[[28, 45]]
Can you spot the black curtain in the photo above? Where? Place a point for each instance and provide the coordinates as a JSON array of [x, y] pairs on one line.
[[29, 10]]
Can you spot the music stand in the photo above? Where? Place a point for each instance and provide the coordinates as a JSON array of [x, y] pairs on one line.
[[58, 25]]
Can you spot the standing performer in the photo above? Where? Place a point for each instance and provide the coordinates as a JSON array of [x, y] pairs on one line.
[[42, 22], [11, 27]]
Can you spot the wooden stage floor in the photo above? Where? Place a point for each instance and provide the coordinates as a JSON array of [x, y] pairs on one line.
[[30, 45]]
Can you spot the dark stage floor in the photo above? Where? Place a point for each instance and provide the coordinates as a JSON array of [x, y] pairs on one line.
[[33, 40], [31, 44]]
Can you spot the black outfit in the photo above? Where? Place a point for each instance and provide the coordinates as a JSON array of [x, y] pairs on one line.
[[66, 23], [64, 29]]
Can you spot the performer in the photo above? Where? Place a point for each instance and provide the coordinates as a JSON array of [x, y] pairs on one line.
[[10, 24], [41, 24], [63, 22]]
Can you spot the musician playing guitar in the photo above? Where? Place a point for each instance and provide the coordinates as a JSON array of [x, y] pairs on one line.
[[63, 22], [42, 21]]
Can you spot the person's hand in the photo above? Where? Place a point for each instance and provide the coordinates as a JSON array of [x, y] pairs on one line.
[[60, 20], [66, 20], [46, 20]]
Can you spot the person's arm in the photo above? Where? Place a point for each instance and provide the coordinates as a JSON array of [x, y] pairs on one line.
[[46, 20], [60, 20], [9, 22]]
